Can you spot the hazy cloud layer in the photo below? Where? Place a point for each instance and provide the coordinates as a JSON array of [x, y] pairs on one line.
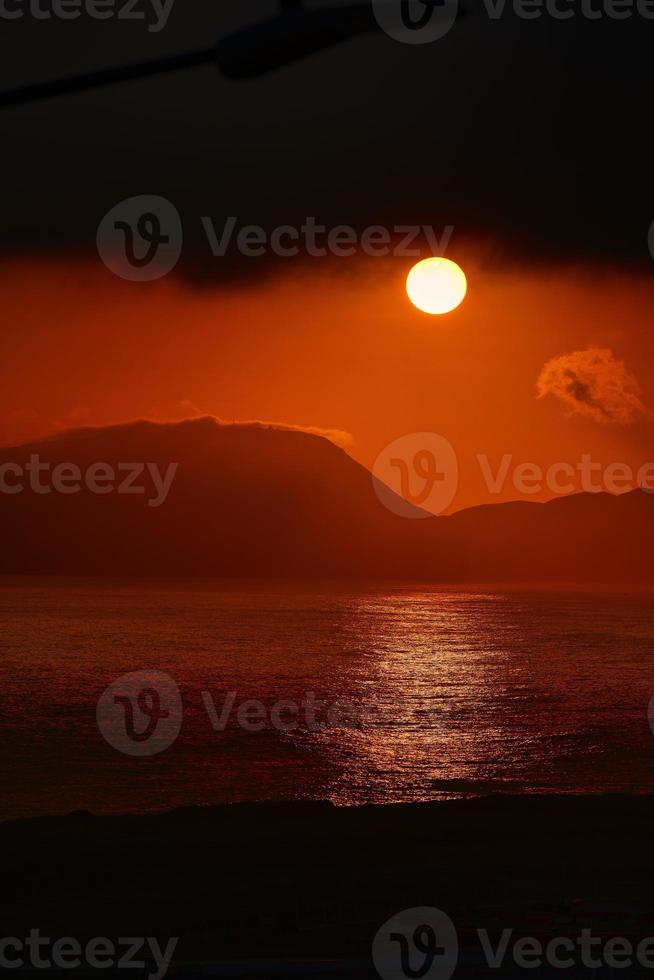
[[593, 383], [337, 436], [374, 132]]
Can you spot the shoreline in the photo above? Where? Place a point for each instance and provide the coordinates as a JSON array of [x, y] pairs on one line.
[[298, 880]]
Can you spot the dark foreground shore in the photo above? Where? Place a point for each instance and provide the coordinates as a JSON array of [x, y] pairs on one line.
[[310, 884]]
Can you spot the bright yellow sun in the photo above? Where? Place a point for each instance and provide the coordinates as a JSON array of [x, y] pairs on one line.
[[436, 285]]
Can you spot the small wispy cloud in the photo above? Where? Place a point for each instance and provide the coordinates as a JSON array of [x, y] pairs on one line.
[[595, 384]]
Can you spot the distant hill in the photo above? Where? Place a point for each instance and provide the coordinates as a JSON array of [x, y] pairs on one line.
[[256, 501]]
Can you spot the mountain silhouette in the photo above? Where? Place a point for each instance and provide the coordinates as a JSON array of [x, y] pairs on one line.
[[257, 501]]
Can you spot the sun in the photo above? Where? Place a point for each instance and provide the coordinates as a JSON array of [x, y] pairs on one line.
[[436, 285]]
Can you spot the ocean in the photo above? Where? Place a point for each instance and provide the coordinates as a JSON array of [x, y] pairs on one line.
[[353, 693]]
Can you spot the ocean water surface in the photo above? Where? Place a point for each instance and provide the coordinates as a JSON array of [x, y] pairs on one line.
[[433, 693]]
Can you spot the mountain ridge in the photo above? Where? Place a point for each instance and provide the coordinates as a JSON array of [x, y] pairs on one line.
[[257, 501]]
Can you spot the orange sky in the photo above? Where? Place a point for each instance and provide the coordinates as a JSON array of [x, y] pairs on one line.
[[338, 349]]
